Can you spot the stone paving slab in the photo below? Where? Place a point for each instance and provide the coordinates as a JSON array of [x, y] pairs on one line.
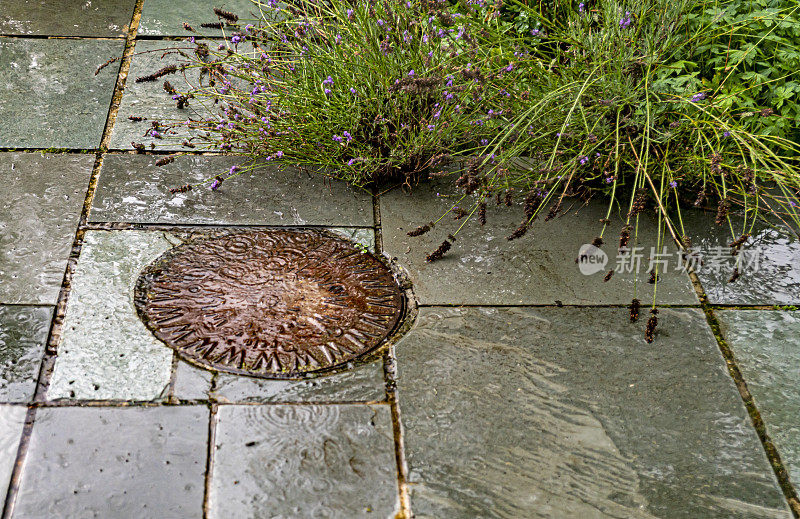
[[565, 412], [766, 345], [106, 352], [361, 384], [132, 189], [23, 333], [332, 461], [12, 420], [166, 17], [115, 462], [148, 99], [50, 97], [771, 262], [483, 267], [99, 18], [44, 195]]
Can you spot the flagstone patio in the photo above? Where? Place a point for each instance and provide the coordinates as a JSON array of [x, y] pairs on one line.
[[517, 389]]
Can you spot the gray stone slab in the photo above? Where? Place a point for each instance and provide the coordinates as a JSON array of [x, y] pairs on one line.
[[43, 200], [483, 267], [766, 345], [12, 420], [770, 262], [166, 17], [192, 383], [106, 18], [148, 99], [362, 384], [115, 462], [106, 352], [23, 333], [332, 461], [50, 97], [132, 189], [567, 412]]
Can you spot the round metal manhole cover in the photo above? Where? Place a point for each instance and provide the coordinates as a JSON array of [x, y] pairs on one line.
[[272, 304]]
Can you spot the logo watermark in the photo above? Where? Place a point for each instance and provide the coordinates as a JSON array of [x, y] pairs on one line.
[[592, 260]]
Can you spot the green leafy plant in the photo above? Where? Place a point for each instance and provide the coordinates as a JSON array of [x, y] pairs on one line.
[[652, 106]]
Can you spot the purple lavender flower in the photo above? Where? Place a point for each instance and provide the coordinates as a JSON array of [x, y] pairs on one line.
[[673, 184], [411, 73], [431, 127], [337, 138], [583, 160], [581, 7], [327, 91], [510, 67], [347, 136], [352, 90], [328, 81], [625, 21], [215, 185], [235, 39], [349, 14], [726, 134], [535, 32], [698, 97]]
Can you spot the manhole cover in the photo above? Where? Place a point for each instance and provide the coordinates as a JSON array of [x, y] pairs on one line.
[[273, 304]]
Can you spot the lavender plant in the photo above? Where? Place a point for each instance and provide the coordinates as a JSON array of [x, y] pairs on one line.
[[597, 95]]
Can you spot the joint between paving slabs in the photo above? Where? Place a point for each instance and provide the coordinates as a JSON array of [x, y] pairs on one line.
[[48, 359], [390, 379], [212, 439], [775, 461]]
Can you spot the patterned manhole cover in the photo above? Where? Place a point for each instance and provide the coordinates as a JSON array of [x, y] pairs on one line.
[[273, 303]]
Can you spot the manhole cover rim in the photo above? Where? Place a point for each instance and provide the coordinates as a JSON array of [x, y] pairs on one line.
[[397, 328]]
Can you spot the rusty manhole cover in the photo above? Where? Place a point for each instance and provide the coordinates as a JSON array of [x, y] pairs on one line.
[[272, 304]]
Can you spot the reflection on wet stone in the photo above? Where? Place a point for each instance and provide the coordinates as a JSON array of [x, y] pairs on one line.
[[107, 18], [769, 262], [550, 413], [51, 97], [767, 349], [43, 197], [23, 332], [134, 189], [166, 17], [304, 461], [276, 303]]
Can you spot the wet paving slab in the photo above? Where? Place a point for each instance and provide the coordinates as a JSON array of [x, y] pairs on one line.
[[766, 345], [304, 461], [149, 101], [12, 420], [364, 383], [44, 195], [87, 18], [51, 97], [115, 462], [23, 333], [484, 267], [107, 353], [131, 188], [769, 262], [166, 17], [568, 413]]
